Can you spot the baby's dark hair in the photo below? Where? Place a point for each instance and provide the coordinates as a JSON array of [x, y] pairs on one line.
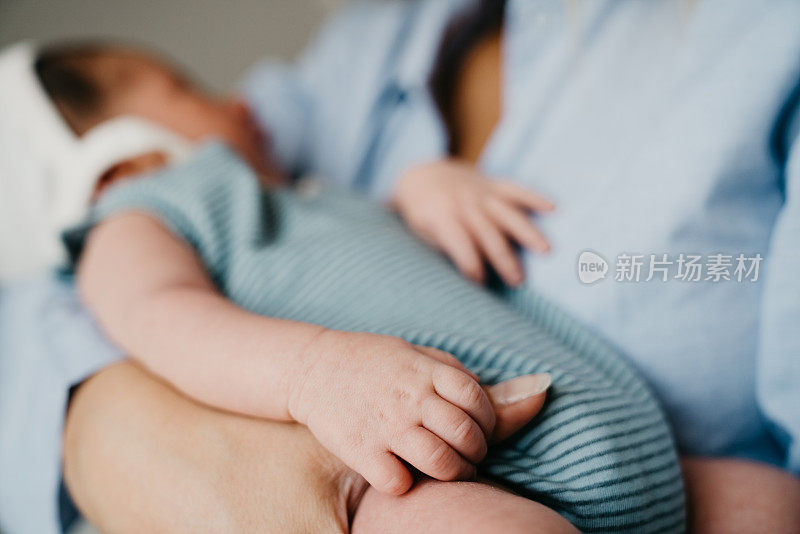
[[66, 76]]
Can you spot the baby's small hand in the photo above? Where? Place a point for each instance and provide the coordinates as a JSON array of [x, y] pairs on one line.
[[373, 400], [471, 218]]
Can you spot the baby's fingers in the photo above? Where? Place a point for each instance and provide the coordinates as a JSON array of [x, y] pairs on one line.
[[460, 389], [386, 473], [454, 427], [446, 358], [457, 244], [495, 247], [517, 224], [432, 456]]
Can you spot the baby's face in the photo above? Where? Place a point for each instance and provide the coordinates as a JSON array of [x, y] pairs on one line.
[[143, 86]]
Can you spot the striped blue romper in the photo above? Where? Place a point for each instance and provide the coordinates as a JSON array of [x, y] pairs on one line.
[[600, 453]]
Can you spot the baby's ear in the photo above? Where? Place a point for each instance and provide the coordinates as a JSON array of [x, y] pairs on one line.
[[130, 168]]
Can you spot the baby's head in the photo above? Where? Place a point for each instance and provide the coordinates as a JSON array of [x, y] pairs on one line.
[[91, 83]]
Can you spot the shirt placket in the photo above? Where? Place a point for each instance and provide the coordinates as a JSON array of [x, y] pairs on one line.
[[534, 39]]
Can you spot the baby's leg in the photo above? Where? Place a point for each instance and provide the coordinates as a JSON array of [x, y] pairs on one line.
[[462, 507]]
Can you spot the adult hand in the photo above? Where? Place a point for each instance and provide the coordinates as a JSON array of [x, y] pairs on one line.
[[470, 217]]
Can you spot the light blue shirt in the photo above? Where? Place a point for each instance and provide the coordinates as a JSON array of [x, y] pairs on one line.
[[655, 129], [48, 343]]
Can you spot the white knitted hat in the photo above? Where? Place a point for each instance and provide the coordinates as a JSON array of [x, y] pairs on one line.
[[47, 173]]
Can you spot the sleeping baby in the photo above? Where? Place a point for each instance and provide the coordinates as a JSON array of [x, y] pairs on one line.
[[317, 306]]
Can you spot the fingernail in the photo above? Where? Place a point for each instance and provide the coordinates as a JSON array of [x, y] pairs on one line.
[[520, 388]]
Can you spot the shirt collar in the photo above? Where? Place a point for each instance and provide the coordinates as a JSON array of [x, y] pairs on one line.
[[429, 19], [422, 37]]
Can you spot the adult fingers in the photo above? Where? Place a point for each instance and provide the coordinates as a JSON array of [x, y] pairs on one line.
[[457, 387], [516, 402], [516, 224]]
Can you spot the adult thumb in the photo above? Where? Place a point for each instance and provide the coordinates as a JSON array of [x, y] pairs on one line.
[[516, 402]]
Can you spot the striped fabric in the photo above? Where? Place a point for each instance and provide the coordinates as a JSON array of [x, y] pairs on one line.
[[600, 453]]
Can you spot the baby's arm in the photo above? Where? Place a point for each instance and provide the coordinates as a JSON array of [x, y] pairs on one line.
[[153, 297], [365, 397]]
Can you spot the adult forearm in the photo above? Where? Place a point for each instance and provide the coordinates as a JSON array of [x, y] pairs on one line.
[[139, 457]]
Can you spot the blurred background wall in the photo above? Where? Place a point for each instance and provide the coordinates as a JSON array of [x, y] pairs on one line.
[[215, 39]]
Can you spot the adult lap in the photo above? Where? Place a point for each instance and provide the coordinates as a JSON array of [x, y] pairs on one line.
[[206, 471]]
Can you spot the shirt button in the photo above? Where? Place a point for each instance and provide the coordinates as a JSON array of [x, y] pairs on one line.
[[401, 96]]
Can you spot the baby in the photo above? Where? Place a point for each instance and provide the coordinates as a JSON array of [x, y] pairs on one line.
[[319, 307]]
